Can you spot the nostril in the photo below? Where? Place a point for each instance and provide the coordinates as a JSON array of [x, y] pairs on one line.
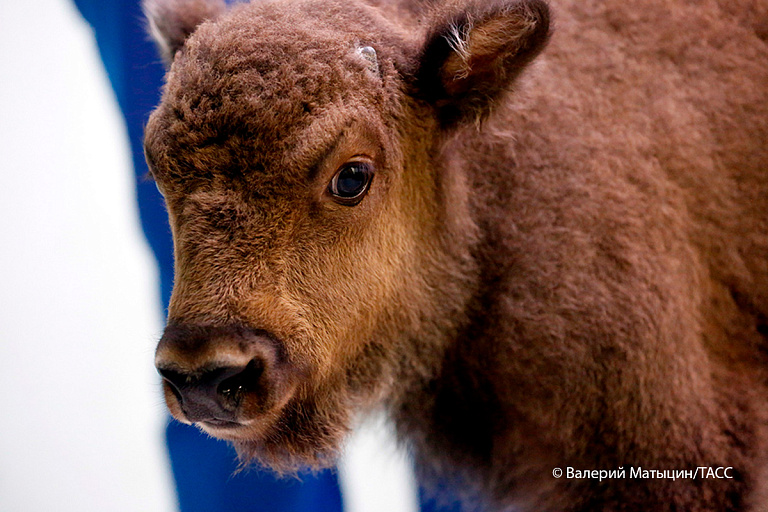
[[233, 388], [174, 379]]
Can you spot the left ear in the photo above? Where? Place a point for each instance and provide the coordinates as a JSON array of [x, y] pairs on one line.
[[472, 56], [171, 22]]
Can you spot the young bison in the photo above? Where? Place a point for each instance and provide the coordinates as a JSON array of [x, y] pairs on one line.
[[560, 264]]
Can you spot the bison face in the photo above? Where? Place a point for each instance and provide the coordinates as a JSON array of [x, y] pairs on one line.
[[322, 244]]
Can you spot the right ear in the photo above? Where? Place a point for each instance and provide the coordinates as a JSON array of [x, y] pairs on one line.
[[472, 55], [172, 21]]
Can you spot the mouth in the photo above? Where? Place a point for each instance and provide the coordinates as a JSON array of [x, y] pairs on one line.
[[220, 424], [225, 429]]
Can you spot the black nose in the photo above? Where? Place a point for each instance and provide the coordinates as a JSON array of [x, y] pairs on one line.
[[213, 395], [225, 375]]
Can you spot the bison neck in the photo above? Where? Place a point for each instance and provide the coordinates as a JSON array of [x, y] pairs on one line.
[[467, 417]]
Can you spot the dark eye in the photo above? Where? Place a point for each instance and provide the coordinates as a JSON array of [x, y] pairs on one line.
[[351, 182]]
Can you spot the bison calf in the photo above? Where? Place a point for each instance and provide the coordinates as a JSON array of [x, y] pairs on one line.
[[534, 263]]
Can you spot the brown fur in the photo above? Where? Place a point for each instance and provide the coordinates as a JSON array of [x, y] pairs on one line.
[[571, 274]]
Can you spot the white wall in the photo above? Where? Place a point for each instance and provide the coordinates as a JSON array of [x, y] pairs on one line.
[[81, 418], [81, 425]]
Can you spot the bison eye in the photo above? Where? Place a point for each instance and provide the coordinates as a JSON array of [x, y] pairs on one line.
[[351, 182]]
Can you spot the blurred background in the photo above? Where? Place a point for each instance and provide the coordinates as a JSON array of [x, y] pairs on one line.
[[81, 414]]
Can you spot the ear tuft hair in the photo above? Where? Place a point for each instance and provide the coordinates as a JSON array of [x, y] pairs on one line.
[[172, 21], [472, 56]]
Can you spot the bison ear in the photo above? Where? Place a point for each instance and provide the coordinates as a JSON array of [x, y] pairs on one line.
[[472, 56], [172, 21]]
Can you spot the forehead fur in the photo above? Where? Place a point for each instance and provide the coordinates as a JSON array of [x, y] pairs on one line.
[[266, 70]]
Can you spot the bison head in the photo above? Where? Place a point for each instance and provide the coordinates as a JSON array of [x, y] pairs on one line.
[[324, 243]]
